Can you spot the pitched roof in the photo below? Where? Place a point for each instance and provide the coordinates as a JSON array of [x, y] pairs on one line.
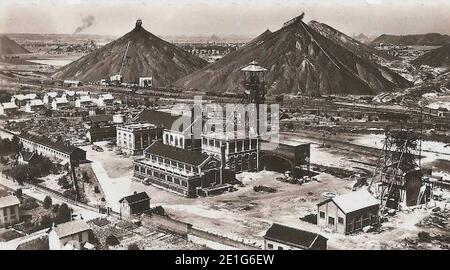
[[137, 197], [26, 155], [159, 118], [36, 102], [101, 118], [354, 201], [186, 156], [9, 105], [70, 228], [293, 236], [8, 201], [59, 146]]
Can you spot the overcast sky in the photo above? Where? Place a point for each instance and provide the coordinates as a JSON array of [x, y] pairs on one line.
[[222, 17]]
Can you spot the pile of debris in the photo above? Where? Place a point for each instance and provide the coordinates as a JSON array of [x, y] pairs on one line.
[[438, 219], [264, 189]]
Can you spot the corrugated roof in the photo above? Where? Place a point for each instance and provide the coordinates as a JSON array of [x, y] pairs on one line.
[[293, 236], [8, 201], [186, 156], [70, 228]]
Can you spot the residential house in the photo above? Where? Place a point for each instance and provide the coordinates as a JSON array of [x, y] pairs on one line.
[[9, 210], [8, 108], [134, 204], [25, 157], [281, 237], [76, 231], [49, 97], [84, 102], [60, 103], [349, 212], [105, 100], [34, 105]]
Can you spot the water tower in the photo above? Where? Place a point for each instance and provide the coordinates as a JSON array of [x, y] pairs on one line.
[[255, 86]]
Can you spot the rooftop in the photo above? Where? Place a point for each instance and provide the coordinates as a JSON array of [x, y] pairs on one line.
[[59, 146], [9, 105], [158, 118], [354, 201], [70, 228], [137, 197], [8, 201], [293, 236], [182, 155]]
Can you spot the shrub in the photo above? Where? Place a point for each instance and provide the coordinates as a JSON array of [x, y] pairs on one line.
[[47, 202]]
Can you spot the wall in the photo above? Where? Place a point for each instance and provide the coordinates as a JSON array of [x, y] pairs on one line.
[[277, 246], [168, 224], [9, 220], [331, 210]]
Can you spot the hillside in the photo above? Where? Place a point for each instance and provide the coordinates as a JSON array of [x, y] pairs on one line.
[[298, 59], [439, 57], [9, 46], [147, 56], [430, 39]]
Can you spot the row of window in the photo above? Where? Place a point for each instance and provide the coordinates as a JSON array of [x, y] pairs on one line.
[[234, 146], [331, 220], [160, 176], [172, 163]]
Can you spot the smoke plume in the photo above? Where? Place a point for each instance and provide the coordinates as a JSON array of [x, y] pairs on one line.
[[87, 22]]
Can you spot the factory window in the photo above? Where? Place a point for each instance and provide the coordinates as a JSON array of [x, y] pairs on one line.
[[232, 147], [246, 145], [176, 181], [269, 246], [280, 248], [169, 178], [217, 144], [211, 142], [184, 184], [136, 168], [204, 141], [322, 214], [253, 144], [239, 146], [167, 161], [340, 220], [331, 220]]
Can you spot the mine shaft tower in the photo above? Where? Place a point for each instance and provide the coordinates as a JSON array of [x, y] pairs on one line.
[[255, 86]]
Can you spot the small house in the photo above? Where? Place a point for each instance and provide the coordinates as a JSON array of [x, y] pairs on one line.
[[73, 231], [349, 212], [281, 237], [134, 204], [8, 108], [9, 210]]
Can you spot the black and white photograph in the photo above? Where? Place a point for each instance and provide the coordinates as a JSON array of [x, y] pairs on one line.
[[256, 126]]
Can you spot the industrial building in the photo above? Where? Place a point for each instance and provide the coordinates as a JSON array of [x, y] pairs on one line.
[[134, 138], [348, 213], [241, 154], [47, 147], [188, 173]]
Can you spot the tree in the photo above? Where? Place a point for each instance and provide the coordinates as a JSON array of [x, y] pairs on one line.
[[47, 202], [46, 221], [55, 208], [19, 193], [63, 215], [20, 174]]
